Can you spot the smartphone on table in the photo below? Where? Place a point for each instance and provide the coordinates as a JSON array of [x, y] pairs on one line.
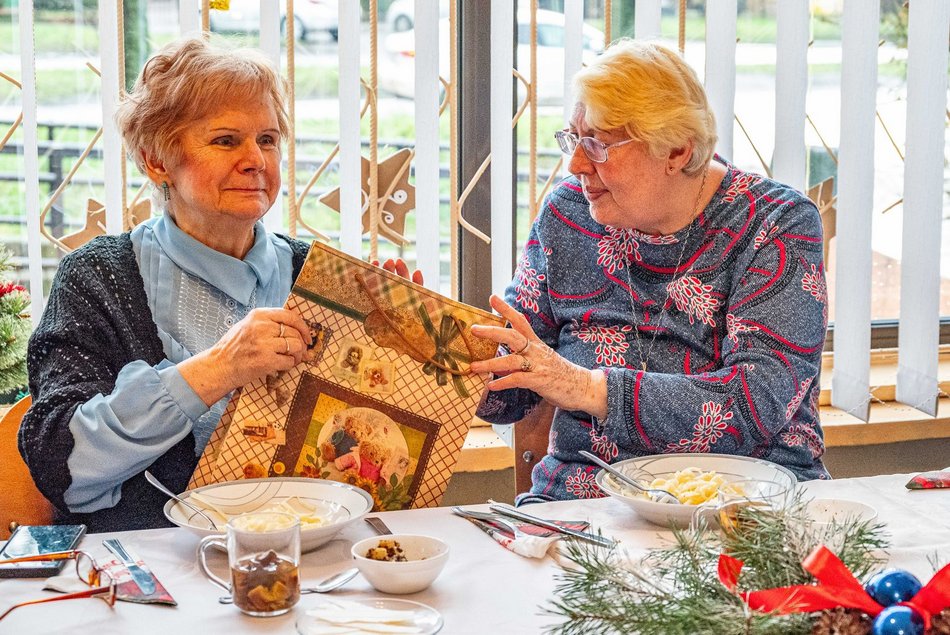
[[30, 540]]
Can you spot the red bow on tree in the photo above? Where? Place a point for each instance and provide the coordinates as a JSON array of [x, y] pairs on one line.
[[836, 587]]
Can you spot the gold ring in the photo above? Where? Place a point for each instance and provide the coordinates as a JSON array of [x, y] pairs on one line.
[[524, 348], [287, 344], [281, 334], [525, 365]]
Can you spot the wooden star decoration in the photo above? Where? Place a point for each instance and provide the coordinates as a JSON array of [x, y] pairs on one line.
[[822, 195], [96, 222], [393, 171]]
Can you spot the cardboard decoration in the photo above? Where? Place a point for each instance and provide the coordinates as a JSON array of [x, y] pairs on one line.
[[96, 222], [384, 400], [822, 195], [393, 171]]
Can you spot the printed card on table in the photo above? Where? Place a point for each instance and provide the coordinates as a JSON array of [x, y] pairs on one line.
[[384, 400]]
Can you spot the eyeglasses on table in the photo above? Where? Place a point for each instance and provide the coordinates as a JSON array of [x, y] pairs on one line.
[[102, 585]]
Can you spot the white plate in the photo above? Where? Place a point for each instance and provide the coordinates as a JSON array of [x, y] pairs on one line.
[[422, 615], [837, 510], [340, 502], [733, 468]]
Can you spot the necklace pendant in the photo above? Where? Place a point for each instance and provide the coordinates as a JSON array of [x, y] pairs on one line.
[[643, 365]]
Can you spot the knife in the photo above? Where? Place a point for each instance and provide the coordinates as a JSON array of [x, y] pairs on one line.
[[141, 577], [511, 512]]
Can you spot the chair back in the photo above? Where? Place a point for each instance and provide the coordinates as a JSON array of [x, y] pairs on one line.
[[21, 503], [531, 437]]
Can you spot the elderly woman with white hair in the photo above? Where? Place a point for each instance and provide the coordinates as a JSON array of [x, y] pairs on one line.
[[665, 301], [147, 333]]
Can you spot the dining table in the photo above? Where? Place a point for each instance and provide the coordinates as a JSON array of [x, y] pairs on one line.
[[484, 588]]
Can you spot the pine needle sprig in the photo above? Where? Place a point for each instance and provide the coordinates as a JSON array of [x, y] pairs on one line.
[[675, 589]]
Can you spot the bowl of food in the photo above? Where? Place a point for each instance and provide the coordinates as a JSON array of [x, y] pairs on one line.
[[323, 507], [838, 511], [400, 563], [695, 479]]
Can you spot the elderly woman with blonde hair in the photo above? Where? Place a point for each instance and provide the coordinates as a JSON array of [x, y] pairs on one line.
[[665, 301], [147, 333]]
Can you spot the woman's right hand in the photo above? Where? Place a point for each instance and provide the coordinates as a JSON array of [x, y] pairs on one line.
[[265, 342]]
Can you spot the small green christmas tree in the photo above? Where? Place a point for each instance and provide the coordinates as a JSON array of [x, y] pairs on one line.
[[15, 327]]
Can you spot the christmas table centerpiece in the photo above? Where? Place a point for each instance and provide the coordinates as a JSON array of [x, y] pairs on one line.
[[770, 573]]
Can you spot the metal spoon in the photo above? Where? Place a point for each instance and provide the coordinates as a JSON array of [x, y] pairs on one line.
[[158, 485], [662, 494], [335, 581]]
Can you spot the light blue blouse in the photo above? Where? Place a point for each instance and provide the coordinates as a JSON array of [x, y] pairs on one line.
[[195, 295]]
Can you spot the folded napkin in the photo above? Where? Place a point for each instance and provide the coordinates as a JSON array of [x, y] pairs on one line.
[[340, 617], [535, 541], [126, 588], [930, 480]]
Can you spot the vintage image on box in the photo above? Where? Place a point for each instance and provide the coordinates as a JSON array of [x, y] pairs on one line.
[[383, 401]]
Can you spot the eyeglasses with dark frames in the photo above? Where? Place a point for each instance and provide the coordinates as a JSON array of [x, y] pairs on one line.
[[101, 584], [595, 149]]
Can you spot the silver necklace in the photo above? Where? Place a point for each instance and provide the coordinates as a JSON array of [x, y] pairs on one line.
[[679, 261]]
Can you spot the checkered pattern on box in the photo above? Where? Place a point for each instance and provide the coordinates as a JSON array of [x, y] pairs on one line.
[[413, 390]]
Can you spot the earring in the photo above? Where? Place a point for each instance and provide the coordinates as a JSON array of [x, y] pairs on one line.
[[165, 194], [670, 170]]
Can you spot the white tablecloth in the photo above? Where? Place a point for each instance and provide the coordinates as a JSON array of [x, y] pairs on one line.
[[483, 589]]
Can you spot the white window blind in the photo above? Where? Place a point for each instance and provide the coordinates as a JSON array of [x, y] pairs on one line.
[[112, 156], [189, 16], [31, 160], [791, 86], [351, 229], [646, 19], [502, 161], [720, 75], [923, 204], [427, 91], [859, 42]]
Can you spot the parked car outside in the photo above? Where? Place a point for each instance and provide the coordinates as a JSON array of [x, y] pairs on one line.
[[397, 64], [400, 15], [310, 16]]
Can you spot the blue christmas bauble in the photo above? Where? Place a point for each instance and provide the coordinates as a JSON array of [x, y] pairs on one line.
[[892, 586], [898, 620]]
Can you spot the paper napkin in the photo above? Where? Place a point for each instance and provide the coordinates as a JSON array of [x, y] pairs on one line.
[[930, 480], [536, 541], [126, 588], [339, 617]]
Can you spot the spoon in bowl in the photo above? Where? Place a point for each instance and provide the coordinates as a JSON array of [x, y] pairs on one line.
[[335, 581], [158, 485], [655, 493]]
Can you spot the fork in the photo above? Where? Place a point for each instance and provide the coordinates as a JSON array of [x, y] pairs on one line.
[[492, 518], [655, 493]]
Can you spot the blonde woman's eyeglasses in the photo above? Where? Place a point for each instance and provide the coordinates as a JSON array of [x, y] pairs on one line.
[[595, 149], [101, 584]]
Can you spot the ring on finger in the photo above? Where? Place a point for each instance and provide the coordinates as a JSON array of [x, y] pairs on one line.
[[525, 365], [523, 348], [281, 334], [287, 345]]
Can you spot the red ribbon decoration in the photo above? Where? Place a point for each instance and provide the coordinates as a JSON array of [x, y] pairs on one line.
[[836, 587]]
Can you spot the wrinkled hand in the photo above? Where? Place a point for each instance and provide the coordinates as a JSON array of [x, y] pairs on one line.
[[534, 365], [400, 268], [265, 342]]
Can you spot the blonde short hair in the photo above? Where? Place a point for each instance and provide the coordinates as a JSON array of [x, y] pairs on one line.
[[185, 81], [649, 91]]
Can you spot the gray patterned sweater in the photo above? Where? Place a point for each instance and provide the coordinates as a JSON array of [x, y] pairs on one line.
[[732, 337], [96, 321]]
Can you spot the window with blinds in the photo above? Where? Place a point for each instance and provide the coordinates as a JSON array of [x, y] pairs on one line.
[[847, 101]]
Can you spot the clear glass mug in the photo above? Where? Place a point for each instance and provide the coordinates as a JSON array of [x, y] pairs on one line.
[[264, 559], [763, 495]]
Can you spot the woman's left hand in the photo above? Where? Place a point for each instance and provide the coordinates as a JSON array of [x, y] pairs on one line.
[[534, 365]]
